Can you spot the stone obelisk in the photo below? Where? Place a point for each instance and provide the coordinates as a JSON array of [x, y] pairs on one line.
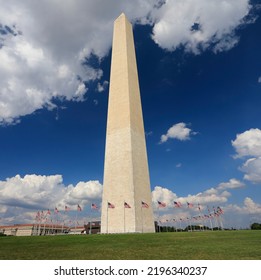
[[126, 202]]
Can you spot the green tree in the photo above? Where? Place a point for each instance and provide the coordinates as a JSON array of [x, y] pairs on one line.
[[255, 226]]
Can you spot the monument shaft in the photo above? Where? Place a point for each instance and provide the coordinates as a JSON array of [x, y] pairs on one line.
[[126, 175]]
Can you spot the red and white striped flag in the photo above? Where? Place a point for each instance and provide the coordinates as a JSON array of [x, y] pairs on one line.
[[144, 205], [94, 206], [110, 205], [190, 205], [177, 204], [161, 204], [220, 211], [126, 205]]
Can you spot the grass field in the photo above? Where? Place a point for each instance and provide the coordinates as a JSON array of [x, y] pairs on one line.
[[219, 245]]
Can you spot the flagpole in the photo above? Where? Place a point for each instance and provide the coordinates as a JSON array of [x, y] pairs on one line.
[[188, 220], [210, 220], [216, 219], [141, 219], [221, 223], [76, 219], [39, 225], [45, 222], [158, 217], [52, 225], [63, 218], [107, 217], [175, 224], [124, 216], [220, 212], [199, 208], [91, 224]]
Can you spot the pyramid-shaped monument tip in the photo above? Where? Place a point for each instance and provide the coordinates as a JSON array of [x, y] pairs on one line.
[[122, 15]]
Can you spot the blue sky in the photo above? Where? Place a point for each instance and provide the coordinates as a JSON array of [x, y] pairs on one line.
[[200, 80]]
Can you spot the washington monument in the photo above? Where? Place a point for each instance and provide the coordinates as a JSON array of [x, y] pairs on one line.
[[126, 202]]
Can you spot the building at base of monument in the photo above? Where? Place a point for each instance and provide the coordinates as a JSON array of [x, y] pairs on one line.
[[93, 227], [35, 229]]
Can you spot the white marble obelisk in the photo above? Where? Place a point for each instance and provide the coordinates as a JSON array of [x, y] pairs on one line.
[[126, 202]]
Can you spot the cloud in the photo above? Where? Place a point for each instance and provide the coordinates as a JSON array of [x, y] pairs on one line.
[[199, 25], [252, 168], [46, 50], [164, 195], [36, 192], [178, 131], [241, 216], [102, 86], [235, 215], [251, 207], [22, 197], [50, 50], [231, 184], [248, 144], [215, 195]]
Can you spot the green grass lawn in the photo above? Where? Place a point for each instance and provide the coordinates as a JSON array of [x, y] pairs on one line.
[[219, 245]]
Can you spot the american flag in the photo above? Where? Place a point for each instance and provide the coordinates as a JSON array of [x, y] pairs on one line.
[[161, 204], [216, 214], [219, 210], [94, 206], [42, 214], [190, 205], [38, 216], [144, 205], [126, 205], [177, 204], [110, 205], [79, 208]]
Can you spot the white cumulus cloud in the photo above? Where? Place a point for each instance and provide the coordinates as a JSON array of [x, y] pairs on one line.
[[248, 145], [198, 25], [252, 168], [231, 184], [23, 196], [215, 195], [46, 46], [251, 207], [178, 131]]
